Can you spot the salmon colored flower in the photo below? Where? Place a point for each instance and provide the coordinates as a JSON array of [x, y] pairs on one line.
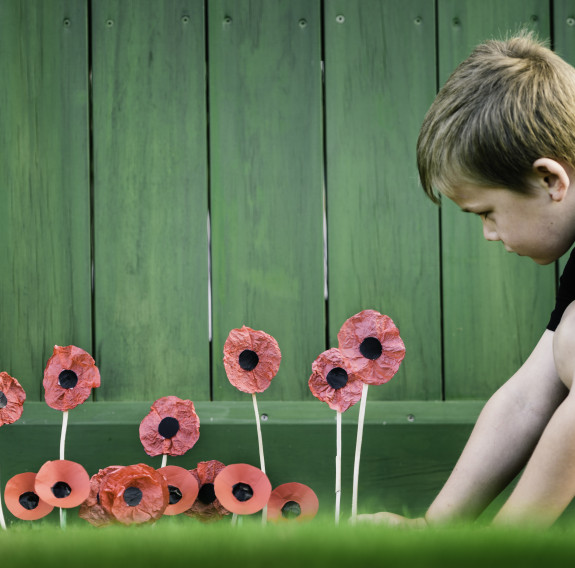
[[207, 507], [370, 342], [12, 397], [183, 487], [292, 501], [333, 382], [62, 483], [251, 359], [172, 427], [242, 489], [22, 500], [69, 377], [134, 494], [91, 510]]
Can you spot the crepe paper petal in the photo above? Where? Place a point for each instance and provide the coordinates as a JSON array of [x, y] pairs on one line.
[[207, 507], [91, 510], [242, 489], [22, 500], [172, 427], [292, 501], [69, 377], [333, 382], [251, 359], [12, 397], [183, 487], [135, 494], [371, 343], [62, 483]]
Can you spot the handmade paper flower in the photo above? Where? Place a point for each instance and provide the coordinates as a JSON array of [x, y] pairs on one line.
[[183, 488], [22, 500], [292, 501], [69, 377], [207, 507], [251, 359], [91, 510], [172, 427], [134, 494], [12, 397], [242, 489], [371, 344], [331, 381], [62, 483]]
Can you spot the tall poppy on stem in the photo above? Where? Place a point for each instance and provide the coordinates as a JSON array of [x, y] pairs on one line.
[[371, 343], [333, 382], [69, 377], [252, 359], [292, 501], [207, 506], [12, 397], [171, 428]]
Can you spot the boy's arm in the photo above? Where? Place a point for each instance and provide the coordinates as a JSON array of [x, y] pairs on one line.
[[504, 437]]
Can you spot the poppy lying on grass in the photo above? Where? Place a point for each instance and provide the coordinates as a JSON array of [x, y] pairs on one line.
[[251, 359], [22, 500], [12, 397], [62, 483], [69, 377], [242, 489], [183, 488], [172, 427], [91, 510], [292, 501], [207, 506]]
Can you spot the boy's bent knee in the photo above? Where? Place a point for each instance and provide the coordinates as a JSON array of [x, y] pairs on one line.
[[564, 346]]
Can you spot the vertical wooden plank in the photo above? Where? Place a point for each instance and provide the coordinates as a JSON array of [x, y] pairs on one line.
[[383, 232], [45, 191], [266, 179], [496, 305], [151, 293]]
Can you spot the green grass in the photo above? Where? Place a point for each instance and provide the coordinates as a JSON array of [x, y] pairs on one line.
[[175, 542]]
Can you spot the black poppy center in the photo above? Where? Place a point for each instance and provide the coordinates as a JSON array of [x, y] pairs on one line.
[[3, 400], [248, 360], [29, 500], [67, 379], [242, 492], [61, 489], [133, 496], [291, 510], [371, 348], [168, 427], [337, 378], [207, 495], [175, 494]]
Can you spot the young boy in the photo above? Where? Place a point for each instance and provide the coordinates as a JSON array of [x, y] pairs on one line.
[[499, 140]]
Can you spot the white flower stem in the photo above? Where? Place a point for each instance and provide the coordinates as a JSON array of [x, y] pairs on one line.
[[62, 446], [164, 460], [358, 442], [2, 521], [261, 448], [338, 469]]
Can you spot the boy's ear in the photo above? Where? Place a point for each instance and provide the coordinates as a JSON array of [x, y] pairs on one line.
[[554, 176]]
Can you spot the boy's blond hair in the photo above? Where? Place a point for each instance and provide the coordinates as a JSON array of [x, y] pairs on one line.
[[508, 104]]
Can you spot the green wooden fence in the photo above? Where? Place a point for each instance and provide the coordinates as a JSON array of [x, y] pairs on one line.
[[173, 169]]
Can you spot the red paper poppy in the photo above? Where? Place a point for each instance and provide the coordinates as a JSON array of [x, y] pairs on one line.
[[12, 397], [183, 487], [207, 507], [242, 489], [292, 501], [91, 510], [251, 359], [371, 343], [22, 500], [135, 494], [332, 381], [62, 483], [172, 427], [69, 377]]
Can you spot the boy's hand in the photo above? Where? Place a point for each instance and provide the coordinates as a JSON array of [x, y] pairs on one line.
[[392, 520]]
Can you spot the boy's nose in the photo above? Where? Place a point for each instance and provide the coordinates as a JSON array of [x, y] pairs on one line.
[[489, 233]]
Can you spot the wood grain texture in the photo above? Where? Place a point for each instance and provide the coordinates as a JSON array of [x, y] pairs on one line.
[[383, 233], [150, 199], [496, 305], [45, 191], [266, 183]]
